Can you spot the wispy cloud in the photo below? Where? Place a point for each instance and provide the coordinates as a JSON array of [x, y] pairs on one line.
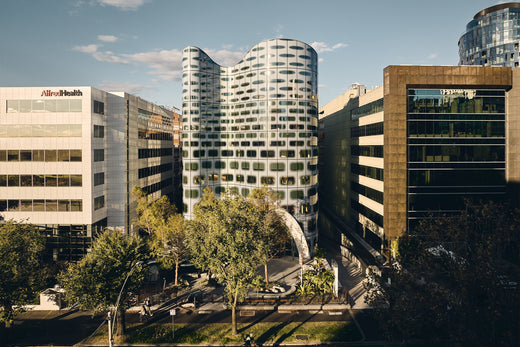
[[432, 55], [166, 64], [125, 5], [115, 86], [106, 56], [90, 49], [321, 47], [107, 38]]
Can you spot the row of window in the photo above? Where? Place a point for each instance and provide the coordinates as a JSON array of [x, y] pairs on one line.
[[447, 202], [28, 106], [154, 152], [367, 130], [456, 128], [154, 170], [449, 178], [367, 212], [283, 153], [370, 193], [45, 155], [367, 151], [253, 104], [453, 153], [455, 104], [257, 48], [257, 166], [152, 188], [284, 180], [240, 153], [368, 109], [40, 180], [41, 205], [40, 130], [154, 135], [368, 171]]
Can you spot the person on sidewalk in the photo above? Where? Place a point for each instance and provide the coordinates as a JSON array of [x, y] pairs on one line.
[[147, 307]]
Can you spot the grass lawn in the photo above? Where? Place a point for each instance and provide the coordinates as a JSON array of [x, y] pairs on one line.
[[221, 333]]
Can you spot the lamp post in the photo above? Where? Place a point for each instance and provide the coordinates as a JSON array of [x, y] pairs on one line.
[[112, 322]]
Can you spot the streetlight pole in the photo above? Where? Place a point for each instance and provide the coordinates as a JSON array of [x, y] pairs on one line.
[[110, 339], [112, 322]]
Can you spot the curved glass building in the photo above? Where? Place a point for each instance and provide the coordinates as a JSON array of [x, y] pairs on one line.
[[492, 37], [253, 124]]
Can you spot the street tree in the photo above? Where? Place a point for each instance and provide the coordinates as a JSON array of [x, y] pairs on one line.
[[165, 228], [94, 283], [274, 235], [151, 213], [22, 271], [455, 278], [222, 239]]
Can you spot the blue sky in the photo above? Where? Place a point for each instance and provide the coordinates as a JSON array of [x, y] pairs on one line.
[[136, 45]]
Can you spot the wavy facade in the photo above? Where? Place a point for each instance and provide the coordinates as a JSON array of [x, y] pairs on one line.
[[253, 124]]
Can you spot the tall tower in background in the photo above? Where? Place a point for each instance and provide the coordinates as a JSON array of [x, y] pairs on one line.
[[253, 124], [492, 38]]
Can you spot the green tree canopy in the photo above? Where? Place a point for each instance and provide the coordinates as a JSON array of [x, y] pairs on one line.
[[454, 277], [223, 239], [167, 236], [95, 281], [22, 273]]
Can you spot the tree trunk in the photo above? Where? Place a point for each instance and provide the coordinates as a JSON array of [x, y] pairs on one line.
[[266, 274], [120, 328], [8, 314], [234, 320], [176, 272], [234, 315]]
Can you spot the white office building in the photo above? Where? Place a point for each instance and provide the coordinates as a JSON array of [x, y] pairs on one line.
[[253, 124], [70, 157]]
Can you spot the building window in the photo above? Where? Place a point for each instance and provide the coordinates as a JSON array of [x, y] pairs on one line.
[[296, 166], [191, 193], [267, 180], [277, 166], [259, 166], [99, 107], [251, 179], [287, 180], [296, 194], [99, 202], [99, 155], [99, 178], [99, 131]]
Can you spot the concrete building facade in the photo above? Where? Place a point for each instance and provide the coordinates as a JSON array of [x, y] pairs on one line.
[[429, 138], [70, 157], [253, 124]]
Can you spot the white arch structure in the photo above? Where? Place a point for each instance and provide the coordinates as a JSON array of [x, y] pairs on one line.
[[296, 232]]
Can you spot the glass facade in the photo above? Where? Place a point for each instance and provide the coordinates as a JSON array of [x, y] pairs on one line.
[[456, 149], [492, 37], [253, 124]]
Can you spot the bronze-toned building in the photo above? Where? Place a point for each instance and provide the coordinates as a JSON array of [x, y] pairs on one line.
[[419, 146]]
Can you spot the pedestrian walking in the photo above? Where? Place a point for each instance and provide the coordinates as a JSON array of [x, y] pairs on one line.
[[147, 307]]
